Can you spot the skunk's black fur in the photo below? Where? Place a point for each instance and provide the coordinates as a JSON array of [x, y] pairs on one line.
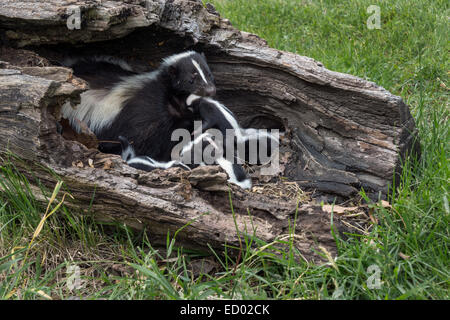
[[101, 72]]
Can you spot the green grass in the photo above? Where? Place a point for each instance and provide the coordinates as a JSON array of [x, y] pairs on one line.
[[410, 244]]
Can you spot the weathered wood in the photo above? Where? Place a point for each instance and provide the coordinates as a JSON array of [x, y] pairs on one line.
[[342, 132]]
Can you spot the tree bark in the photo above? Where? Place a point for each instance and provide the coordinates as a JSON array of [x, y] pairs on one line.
[[341, 132]]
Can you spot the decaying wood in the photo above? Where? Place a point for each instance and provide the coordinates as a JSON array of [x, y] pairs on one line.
[[342, 132]]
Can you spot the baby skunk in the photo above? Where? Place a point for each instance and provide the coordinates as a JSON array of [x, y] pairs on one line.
[[215, 115], [144, 162], [236, 172]]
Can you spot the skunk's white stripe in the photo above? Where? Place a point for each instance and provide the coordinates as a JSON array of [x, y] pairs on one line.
[[99, 108], [140, 160], [200, 71], [228, 167], [128, 153], [166, 165], [177, 57], [251, 133], [194, 142], [211, 142], [147, 161], [229, 116]]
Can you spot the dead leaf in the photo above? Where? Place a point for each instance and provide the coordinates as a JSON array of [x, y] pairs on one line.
[[108, 164], [385, 204], [442, 84], [91, 163], [78, 164], [338, 209], [43, 294], [403, 256]]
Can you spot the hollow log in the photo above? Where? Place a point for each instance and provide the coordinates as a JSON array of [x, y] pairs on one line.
[[342, 133]]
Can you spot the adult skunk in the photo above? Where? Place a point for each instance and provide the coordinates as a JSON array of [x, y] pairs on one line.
[[145, 108]]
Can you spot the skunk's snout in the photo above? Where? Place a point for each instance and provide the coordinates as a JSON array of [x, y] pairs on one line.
[[208, 91]]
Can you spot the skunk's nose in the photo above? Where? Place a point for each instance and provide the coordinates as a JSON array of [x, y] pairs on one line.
[[210, 91]]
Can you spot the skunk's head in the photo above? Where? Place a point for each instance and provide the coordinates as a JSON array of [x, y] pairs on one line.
[[189, 74]]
